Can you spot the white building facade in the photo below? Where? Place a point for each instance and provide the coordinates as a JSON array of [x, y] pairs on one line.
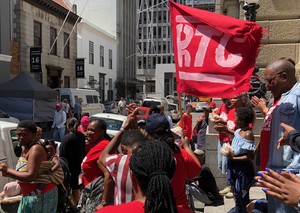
[[99, 51]]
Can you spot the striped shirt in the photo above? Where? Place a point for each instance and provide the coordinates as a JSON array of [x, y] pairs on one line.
[[118, 167]]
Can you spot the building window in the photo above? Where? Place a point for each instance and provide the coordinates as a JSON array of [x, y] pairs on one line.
[[91, 81], [67, 45], [109, 59], [53, 34], [101, 56], [37, 34], [110, 84], [67, 82], [91, 52]]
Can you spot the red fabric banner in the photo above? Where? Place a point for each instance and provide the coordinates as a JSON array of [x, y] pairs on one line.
[[214, 54]]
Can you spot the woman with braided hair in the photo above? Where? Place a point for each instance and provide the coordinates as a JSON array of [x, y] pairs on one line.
[[152, 166], [187, 165]]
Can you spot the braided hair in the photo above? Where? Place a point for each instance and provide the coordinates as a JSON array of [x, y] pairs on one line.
[[153, 165]]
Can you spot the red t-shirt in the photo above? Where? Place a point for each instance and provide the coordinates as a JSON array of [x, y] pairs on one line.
[[187, 125], [118, 167], [186, 168], [265, 137], [89, 165], [223, 111], [132, 207]]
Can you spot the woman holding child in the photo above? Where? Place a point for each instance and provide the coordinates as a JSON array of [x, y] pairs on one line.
[[33, 171]]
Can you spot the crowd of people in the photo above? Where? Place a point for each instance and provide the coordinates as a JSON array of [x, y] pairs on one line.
[[152, 168]]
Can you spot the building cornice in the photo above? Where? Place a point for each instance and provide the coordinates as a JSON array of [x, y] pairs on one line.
[[54, 8], [84, 25]]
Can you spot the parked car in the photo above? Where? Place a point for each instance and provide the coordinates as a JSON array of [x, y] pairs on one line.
[[170, 98], [111, 107], [5, 117], [143, 113], [199, 106], [8, 140], [113, 121], [175, 112], [154, 102]]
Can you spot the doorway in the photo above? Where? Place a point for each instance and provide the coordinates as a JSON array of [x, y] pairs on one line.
[[54, 76]]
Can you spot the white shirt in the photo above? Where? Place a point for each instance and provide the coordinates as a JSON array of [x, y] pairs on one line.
[[60, 119]]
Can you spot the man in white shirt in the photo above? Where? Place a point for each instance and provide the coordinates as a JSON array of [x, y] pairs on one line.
[[59, 123], [121, 105], [66, 107]]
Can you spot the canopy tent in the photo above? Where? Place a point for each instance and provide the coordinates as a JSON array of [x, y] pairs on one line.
[[25, 98]]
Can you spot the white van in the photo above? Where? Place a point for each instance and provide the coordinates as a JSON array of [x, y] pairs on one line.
[[91, 103], [154, 102], [8, 140]]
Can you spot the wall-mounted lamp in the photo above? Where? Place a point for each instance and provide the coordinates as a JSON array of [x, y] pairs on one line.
[[250, 8]]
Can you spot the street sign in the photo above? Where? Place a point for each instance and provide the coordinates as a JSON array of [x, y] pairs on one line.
[[35, 59], [79, 67]]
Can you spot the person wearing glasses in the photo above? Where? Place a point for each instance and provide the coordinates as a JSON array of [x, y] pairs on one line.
[[280, 79]]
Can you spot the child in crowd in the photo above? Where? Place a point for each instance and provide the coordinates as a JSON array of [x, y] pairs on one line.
[[240, 164], [56, 171], [52, 155]]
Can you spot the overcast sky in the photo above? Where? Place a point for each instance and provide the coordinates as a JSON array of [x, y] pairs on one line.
[[101, 13]]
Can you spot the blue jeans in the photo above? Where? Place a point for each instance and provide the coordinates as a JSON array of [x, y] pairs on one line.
[[222, 160], [59, 133], [276, 206], [242, 178]]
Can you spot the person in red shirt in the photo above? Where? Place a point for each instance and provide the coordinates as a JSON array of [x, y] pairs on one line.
[[187, 164], [186, 124], [152, 166], [96, 134]]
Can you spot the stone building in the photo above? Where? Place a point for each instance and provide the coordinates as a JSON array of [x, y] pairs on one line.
[[41, 25], [282, 21], [6, 10]]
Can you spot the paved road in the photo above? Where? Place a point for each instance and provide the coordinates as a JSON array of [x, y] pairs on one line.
[[255, 193]]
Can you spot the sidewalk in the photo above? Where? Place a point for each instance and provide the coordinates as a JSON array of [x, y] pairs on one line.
[[255, 193]]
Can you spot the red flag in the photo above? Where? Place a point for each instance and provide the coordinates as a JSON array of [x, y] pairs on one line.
[[214, 54]]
